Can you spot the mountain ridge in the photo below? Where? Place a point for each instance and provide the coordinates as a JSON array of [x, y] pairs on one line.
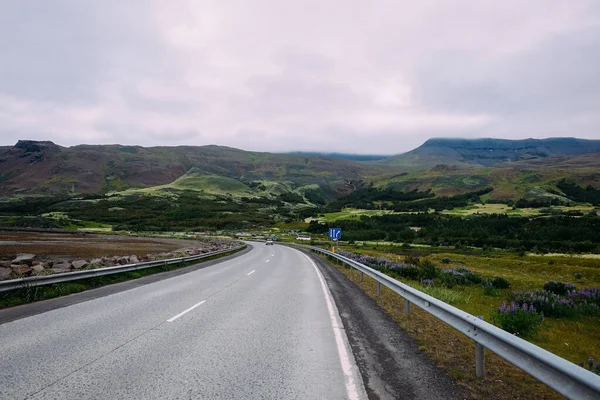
[[446, 166], [489, 151]]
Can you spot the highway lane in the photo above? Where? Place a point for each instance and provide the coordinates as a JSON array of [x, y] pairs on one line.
[[261, 325]]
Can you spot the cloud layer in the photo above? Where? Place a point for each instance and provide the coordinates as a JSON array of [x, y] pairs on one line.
[[348, 76]]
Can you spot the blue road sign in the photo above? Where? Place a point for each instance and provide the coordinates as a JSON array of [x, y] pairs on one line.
[[335, 233]]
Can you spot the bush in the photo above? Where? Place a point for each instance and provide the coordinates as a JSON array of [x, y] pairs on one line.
[[445, 260], [559, 288], [500, 283], [578, 275], [460, 276], [522, 321], [427, 270], [551, 304], [489, 289]]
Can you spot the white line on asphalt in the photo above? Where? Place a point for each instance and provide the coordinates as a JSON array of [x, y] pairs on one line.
[[351, 375], [251, 272], [186, 311], [267, 261]]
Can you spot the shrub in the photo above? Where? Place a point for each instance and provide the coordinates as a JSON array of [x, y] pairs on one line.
[[551, 304], [578, 275], [489, 289], [445, 260], [412, 260], [500, 282], [427, 270], [460, 276], [521, 320], [560, 288]]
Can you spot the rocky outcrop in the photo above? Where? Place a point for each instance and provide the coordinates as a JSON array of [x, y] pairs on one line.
[[28, 264], [61, 267], [79, 264], [38, 269], [20, 270], [5, 273], [26, 259]]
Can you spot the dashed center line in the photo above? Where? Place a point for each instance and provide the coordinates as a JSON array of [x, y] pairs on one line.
[[267, 260], [186, 311], [251, 272]]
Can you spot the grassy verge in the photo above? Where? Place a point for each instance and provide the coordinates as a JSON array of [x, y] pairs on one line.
[[27, 295], [451, 350]]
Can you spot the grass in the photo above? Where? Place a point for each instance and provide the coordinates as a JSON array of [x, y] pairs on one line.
[[574, 338], [354, 213], [32, 294], [453, 352], [349, 213]]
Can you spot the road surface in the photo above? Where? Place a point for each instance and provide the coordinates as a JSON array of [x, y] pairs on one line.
[[259, 326]]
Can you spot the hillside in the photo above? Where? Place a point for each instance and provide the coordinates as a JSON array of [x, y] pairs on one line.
[[44, 168], [527, 169], [491, 152]]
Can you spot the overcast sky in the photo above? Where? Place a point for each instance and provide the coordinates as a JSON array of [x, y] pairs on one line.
[[330, 75]]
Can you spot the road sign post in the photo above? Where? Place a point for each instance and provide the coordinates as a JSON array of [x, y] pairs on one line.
[[335, 234]]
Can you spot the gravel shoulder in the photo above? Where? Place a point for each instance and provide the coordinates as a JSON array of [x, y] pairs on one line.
[[389, 359]]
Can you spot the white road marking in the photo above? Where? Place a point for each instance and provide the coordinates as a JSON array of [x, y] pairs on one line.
[[267, 261], [351, 374], [251, 272], [186, 311]]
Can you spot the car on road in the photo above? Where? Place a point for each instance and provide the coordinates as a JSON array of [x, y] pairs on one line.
[[269, 242]]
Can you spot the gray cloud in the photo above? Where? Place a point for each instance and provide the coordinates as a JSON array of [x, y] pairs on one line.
[[377, 77]]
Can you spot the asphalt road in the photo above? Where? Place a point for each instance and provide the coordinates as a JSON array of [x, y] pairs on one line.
[[259, 326]]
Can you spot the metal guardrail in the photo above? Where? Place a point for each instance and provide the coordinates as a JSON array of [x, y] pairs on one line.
[[566, 378], [92, 273]]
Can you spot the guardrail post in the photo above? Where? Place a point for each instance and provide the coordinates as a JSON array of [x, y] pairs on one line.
[[406, 307], [362, 276], [378, 288], [479, 358]]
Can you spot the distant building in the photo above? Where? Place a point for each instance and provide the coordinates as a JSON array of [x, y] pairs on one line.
[[303, 238], [415, 228]]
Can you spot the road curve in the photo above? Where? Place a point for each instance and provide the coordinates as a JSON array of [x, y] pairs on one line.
[[262, 325]]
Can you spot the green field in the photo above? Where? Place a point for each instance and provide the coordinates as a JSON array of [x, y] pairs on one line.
[[572, 338], [353, 213], [348, 213]]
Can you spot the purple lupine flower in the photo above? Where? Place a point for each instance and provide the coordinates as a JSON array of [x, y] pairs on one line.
[[591, 363], [502, 308]]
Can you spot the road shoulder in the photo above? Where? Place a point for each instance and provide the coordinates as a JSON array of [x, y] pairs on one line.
[[389, 359]]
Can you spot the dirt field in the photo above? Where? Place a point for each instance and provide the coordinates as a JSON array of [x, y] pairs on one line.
[[55, 246]]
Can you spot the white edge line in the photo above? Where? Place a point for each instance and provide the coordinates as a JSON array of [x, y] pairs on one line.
[[186, 311], [353, 380], [251, 272]]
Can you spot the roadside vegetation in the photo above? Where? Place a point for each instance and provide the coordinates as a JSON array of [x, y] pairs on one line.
[[562, 292], [507, 290]]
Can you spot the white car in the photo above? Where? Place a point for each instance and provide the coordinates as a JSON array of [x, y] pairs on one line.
[[269, 242]]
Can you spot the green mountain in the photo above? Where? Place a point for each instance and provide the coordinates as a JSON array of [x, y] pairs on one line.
[[491, 152], [529, 169], [44, 168]]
